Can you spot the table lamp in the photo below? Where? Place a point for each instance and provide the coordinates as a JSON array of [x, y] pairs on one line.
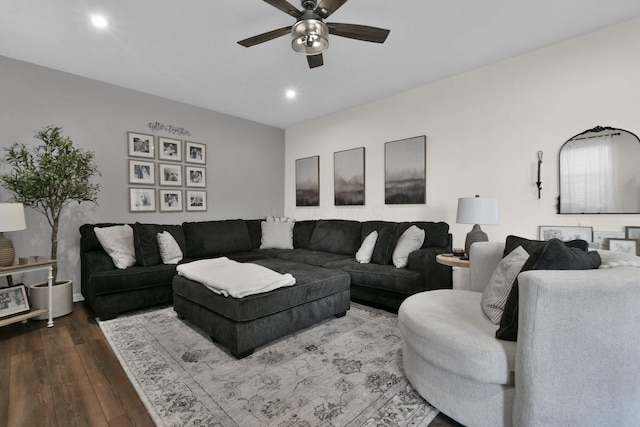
[[11, 219], [477, 210]]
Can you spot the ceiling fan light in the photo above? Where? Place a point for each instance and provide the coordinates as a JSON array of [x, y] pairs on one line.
[[310, 37]]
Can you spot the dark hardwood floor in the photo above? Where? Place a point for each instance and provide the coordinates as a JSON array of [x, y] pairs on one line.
[[69, 376]]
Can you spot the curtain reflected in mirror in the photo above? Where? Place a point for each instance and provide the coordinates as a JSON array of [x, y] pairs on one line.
[[600, 172]]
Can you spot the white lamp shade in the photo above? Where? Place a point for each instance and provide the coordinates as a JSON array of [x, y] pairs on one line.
[[477, 210], [12, 217]]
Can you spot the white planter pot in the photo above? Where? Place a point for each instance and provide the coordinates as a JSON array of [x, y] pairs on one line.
[[62, 298]]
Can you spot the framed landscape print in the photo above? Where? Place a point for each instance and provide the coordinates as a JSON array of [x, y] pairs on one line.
[[142, 172], [565, 233], [170, 200], [405, 171], [142, 199], [308, 181], [170, 174], [195, 152], [195, 176], [13, 300], [169, 149], [626, 246], [141, 145], [601, 238], [348, 177], [196, 200]]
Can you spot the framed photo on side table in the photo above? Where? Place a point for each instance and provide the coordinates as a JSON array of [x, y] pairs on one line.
[[142, 172], [169, 149], [194, 152], [141, 145], [196, 200], [142, 200], [13, 300], [170, 200], [170, 174], [196, 176], [566, 233], [626, 246]]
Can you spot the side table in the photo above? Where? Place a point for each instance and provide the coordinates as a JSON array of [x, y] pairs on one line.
[[460, 270], [27, 268]]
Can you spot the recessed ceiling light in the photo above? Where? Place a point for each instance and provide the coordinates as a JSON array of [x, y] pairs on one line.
[[291, 94], [99, 21]]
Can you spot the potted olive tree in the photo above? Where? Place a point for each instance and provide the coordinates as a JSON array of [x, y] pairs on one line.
[[48, 177]]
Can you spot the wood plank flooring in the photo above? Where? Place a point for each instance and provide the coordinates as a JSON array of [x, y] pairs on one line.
[[69, 376]]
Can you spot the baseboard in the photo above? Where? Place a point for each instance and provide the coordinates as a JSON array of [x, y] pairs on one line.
[[78, 297]]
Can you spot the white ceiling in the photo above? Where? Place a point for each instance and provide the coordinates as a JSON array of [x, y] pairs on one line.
[[186, 50]]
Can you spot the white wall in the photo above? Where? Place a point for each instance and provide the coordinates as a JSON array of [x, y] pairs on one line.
[[245, 160], [484, 129]]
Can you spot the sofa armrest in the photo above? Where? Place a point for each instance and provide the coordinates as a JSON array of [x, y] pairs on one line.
[[578, 352], [433, 274]]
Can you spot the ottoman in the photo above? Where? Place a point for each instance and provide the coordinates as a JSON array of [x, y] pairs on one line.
[[243, 324]]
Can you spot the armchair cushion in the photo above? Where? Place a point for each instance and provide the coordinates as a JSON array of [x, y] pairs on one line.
[[554, 255]]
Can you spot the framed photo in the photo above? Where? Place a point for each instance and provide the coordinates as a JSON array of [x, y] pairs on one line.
[[195, 176], [565, 233], [13, 300], [626, 246], [169, 149], [405, 168], [601, 238], [196, 200], [195, 152], [141, 172], [141, 145], [142, 200], [170, 174], [308, 181], [348, 177], [170, 200], [632, 232]]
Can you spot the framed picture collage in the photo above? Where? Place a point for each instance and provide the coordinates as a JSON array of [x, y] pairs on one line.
[[159, 168]]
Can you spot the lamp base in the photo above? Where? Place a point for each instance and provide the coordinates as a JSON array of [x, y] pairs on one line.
[[475, 235], [7, 253]]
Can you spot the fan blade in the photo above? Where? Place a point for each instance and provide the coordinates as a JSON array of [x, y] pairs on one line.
[[265, 37], [359, 32], [315, 60], [285, 6], [327, 7]]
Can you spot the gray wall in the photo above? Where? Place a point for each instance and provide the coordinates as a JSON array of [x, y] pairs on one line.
[[245, 160]]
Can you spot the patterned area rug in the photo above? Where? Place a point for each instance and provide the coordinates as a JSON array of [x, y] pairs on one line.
[[342, 372]]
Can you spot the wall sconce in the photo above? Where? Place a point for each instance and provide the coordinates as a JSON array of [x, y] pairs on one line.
[[539, 181]]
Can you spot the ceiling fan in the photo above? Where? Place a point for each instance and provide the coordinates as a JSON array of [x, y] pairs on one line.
[[310, 34]]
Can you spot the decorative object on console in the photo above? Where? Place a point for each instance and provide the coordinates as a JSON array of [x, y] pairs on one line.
[[601, 238], [539, 181], [477, 210], [11, 219], [349, 177], [308, 181], [405, 171], [13, 300], [566, 233], [626, 246]]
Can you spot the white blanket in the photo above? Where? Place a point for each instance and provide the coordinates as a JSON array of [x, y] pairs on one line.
[[231, 278]]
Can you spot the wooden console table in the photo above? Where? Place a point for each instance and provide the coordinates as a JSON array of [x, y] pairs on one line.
[[27, 268]]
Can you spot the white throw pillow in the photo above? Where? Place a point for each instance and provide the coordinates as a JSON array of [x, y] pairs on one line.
[[499, 287], [411, 240], [272, 218], [170, 251], [117, 241], [365, 252], [277, 235], [612, 259]]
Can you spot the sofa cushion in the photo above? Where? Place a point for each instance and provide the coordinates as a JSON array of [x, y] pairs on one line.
[[131, 279], [336, 236], [254, 226], [554, 255], [302, 233], [448, 329], [277, 235], [384, 245], [117, 241], [306, 256], [384, 277], [145, 238], [215, 238]]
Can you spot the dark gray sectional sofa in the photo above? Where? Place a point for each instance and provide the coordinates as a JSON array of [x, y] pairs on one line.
[[330, 244]]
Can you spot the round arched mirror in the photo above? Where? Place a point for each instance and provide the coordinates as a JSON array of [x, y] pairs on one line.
[[600, 173]]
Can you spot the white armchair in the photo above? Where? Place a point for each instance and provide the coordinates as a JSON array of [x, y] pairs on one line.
[[576, 361]]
